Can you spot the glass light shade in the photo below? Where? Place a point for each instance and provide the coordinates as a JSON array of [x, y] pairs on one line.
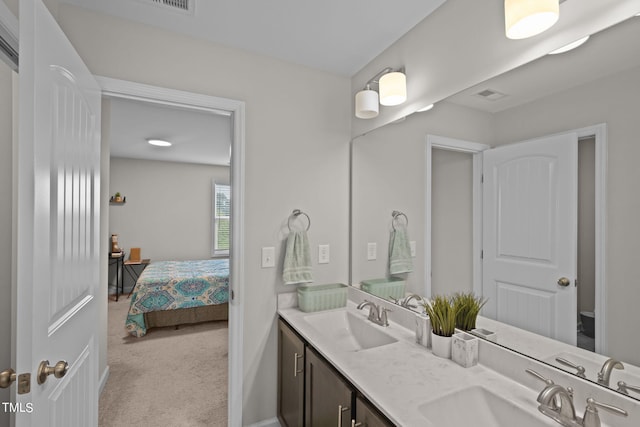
[[159, 142], [526, 18], [570, 46], [393, 88], [367, 104]]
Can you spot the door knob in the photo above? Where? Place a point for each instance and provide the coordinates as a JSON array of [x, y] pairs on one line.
[[563, 281], [7, 377], [59, 370]]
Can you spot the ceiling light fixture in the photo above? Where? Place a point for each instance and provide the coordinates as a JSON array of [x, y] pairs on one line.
[[570, 46], [392, 88], [527, 18], [159, 142]]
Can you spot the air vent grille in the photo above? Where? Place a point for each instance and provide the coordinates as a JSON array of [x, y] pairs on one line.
[[490, 94], [175, 5]]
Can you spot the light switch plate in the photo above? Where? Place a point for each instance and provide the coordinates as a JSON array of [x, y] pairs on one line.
[[268, 257], [412, 245], [323, 254], [372, 251]]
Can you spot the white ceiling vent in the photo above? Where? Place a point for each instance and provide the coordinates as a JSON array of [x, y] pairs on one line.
[[490, 94], [184, 6]]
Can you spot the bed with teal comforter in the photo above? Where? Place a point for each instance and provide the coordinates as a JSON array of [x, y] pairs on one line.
[[177, 285]]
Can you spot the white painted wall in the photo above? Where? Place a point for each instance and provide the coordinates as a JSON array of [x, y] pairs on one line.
[[6, 190], [168, 208], [614, 100], [389, 174], [297, 141], [452, 222]]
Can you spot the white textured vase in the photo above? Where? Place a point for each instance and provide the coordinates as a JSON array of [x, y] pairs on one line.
[[464, 349], [441, 346]]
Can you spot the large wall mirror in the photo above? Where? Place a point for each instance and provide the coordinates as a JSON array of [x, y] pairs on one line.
[[428, 167]]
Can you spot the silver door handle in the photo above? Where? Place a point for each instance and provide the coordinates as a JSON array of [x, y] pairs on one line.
[[59, 370], [341, 409], [563, 281], [296, 356]]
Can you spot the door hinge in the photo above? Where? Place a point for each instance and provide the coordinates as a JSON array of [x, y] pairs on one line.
[[482, 254], [233, 295], [482, 179]]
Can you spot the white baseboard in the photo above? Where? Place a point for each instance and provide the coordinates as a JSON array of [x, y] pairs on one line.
[[267, 423], [103, 380]]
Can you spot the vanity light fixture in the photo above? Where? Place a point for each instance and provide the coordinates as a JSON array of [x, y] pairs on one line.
[[570, 46], [367, 103], [392, 90], [159, 142], [527, 18]]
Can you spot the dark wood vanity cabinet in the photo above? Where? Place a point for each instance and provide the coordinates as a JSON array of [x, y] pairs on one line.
[[290, 377], [367, 416], [311, 393], [328, 399]]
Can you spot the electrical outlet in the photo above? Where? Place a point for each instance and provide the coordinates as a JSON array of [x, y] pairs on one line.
[[323, 254], [412, 245], [268, 257], [372, 251]]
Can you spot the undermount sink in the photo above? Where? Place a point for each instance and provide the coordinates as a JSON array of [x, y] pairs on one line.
[[476, 406], [347, 331]]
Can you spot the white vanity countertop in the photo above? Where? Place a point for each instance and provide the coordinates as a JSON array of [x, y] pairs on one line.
[[400, 377]]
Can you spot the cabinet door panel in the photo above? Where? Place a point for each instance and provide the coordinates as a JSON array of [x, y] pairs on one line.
[[367, 416], [290, 377], [326, 394]]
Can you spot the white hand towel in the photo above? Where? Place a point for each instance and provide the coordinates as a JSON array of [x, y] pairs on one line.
[[297, 259]]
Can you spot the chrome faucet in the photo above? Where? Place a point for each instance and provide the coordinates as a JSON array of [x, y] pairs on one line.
[[556, 402], [625, 388], [407, 300], [376, 314], [605, 372], [591, 417]]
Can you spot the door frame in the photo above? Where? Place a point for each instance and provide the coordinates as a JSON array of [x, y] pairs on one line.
[[115, 88], [476, 149]]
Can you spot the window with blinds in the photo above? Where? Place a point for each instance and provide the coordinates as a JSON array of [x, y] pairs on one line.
[[221, 218]]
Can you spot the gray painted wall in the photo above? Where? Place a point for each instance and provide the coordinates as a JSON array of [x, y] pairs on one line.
[[614, 100], [297, 143], [389, 174], [6, 190]]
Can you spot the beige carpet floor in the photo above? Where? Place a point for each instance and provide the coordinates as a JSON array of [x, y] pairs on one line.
[[170, 377]]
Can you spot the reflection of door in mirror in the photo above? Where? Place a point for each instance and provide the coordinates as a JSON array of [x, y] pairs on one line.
[[530, 235], [539, 227]]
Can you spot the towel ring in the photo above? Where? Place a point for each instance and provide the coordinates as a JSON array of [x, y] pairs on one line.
[[296, 213], [395, 215]]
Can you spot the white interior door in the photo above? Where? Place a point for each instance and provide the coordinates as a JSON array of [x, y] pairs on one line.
[[530, 235], [58, 224]]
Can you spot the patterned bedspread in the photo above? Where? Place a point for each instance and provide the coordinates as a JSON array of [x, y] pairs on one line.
[[169, 285]]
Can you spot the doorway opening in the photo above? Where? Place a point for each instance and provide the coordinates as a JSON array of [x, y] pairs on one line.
[[234, 110]]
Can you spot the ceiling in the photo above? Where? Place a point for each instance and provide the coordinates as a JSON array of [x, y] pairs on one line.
[[197, 136], [339, 36], [605, 53]]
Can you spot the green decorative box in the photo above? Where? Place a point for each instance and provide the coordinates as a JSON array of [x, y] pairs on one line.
[[392, 287], [322, 297]]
